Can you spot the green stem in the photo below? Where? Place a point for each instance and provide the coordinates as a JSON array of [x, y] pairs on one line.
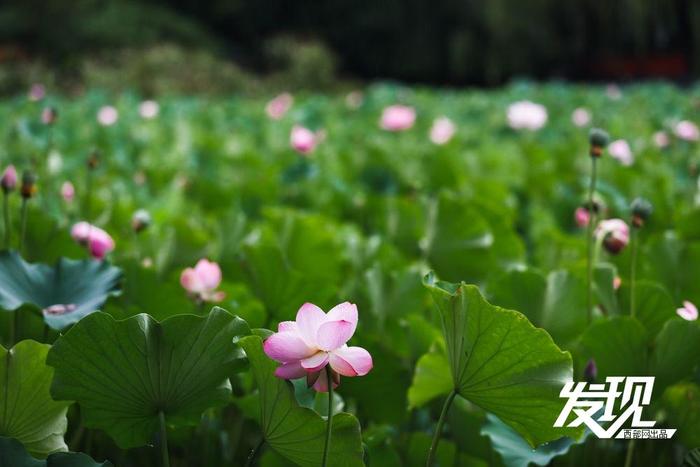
[[23, 224], [6, 213], [163, 440], [253, 453], [630, 453], [633, 269], [329, 422], [87, 201], [589, 239], [438, 428]]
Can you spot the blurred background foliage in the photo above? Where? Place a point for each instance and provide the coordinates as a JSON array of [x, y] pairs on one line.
[[229, 44]]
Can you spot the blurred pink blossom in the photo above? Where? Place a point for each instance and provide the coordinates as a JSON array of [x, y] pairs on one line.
[[279, 106], [303, 140], [202, 281], [661, 139], [149, 109], [582, 217], [617, 282], [316, 341], [686, 130], [614, 234], [98, 242], [67, 192], [526, 115], [9, 179], [442, 131], [37, 92], [107, 115], [613, 92], [397, 118], [620, 150], [581, 117], [688, 312]]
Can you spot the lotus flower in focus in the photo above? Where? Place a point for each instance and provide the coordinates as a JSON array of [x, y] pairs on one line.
[[442, 131], [686, 130], [397, 118], [107, 115], [526, 115], [279, 106], [620, 150], [303, 140], [149, 109], [317, 341], [98, 242], [581, 117], [614, 234], [67, 192], [203, 280], [688, 311]]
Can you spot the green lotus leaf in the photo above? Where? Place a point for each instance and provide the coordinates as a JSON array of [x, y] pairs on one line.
[[124, 373], [13, 454], [65, 292], [27, 412]]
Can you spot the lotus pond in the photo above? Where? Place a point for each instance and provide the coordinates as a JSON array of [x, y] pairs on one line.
[[202, 282]]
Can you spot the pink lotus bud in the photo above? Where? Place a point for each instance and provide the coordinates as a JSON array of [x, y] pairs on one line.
[[80, 232], [67, 192], [49, 115], [688, 312], [661, 139], [621, 151], [526, 115], [398, 118], [202, 281], [98, 242], [9, 179], [302, 139], [37, 92], [617, 282], [107, 115], [581, 117], [442, 131], [317, 343], [279, 106], [149, 109], [614, 233], [687, 131], [582, 217], [590, 373]]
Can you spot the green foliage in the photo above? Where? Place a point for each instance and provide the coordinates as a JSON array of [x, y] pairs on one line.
[[13, 454]]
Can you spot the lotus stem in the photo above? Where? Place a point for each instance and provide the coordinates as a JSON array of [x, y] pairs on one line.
[[438, 429], [23, 224], [633, 270], [163, 440], [589, 237], [6, 215], [630, 454], [329, 422], [254, 453]]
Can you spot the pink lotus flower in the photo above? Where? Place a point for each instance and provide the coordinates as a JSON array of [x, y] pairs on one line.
[[9, 179], [98, 242], [305, 347], [687, 130], [688, 312], [442, 131], [397, 118], [582, 217], [661, 139], [581, 117], [149, 109], [107, 115], [279, 106], [620, 150], [202, 281], [302, 139], [37, 92], [614, 233], [67, 192], [617, 282], [526, 115]]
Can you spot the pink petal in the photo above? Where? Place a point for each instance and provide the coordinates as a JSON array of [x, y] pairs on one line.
[[356, 357], [321, 384], [286, 347], [209, 273], [80, 232], [287, 326], [292, 370], [334, 334], [690, 307], [309, 319], [190, 281], [315, 362], [345, 311]]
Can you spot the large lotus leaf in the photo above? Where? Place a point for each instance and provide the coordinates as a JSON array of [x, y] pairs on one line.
[[682, 402], [515, 451], [430, 380], [676, 353], [27, 412], [653, 305], [499, 361], [13, 454], [296, 432], [123, 373], [618, 346], [66, 292]]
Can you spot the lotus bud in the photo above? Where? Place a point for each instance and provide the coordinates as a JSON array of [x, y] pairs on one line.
[[590, 373], [140, 220], [599, 140], [49, 115], [67, 192], [28, 189], [641, 211], [9, 179]]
